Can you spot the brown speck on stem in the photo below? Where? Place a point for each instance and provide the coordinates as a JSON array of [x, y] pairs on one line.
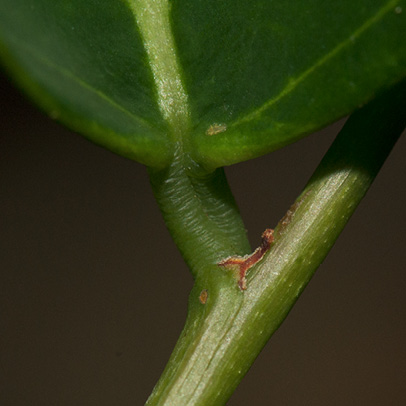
[[243, 264], [204, 294], [288, 217]]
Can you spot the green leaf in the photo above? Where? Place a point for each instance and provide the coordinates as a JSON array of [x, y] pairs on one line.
[[273, 71], [229, 80], [86, 64]]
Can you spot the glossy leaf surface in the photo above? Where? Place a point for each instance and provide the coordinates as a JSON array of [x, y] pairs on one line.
[[230, 80]]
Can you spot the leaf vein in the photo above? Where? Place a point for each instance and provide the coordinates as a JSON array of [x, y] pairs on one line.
[[153, 20], [293, 83]]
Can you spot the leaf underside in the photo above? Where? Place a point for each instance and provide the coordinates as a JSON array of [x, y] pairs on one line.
[[230, 80]]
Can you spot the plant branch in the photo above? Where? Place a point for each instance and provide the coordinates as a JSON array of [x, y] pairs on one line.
[[224, 334]]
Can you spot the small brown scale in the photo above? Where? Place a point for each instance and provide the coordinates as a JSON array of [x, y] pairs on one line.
[[242, 264]]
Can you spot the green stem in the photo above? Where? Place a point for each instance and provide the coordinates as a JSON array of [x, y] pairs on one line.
[[222, 337], [200, 213]]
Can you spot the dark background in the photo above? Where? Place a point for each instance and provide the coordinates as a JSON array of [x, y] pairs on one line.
[[93, 291]]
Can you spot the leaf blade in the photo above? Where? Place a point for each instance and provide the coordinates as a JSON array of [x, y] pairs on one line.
[[281, 95], [229, 81], [93, 74]]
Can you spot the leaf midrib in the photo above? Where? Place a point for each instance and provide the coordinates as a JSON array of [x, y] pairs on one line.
[[153, 20]]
